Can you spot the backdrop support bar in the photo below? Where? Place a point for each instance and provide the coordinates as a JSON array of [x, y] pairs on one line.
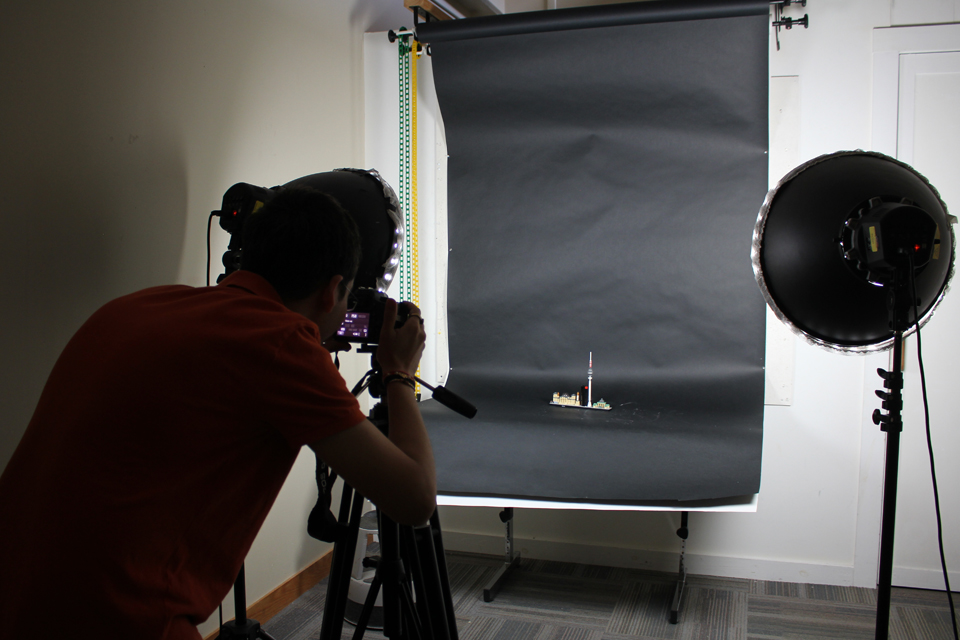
[[588, 18]]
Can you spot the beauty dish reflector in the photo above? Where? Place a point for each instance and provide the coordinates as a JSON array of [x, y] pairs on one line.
[[374, 206], [833, 233]]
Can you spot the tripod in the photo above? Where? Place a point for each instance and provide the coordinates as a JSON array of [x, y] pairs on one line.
[[411, 569]]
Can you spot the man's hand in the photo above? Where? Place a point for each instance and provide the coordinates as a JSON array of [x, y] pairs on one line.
[[334, 344], [400, 349]]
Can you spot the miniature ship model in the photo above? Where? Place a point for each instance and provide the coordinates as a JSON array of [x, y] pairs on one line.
[[583, 399]]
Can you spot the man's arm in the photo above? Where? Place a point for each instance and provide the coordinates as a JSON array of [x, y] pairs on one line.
[[396, 473]]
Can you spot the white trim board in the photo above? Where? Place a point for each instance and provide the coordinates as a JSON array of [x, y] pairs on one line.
[[917, 39], [667, 561], [695, 564]]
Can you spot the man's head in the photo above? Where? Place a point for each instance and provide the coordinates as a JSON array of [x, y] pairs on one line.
[[300, 240]]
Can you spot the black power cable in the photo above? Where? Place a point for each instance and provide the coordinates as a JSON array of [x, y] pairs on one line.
[[209, 222], [933, 471]]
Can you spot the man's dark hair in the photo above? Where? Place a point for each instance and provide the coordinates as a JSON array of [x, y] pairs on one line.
[[299, 240]]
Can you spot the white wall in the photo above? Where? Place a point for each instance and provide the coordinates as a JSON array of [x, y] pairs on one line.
[[121, 126], [818, 513], [382, 152]]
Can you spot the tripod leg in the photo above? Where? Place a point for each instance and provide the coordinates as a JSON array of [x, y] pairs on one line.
[[391, 568], [430, 586], [441, 557], [412, 627], [400, 619], [368, 606], [417, 585], [344, 548]]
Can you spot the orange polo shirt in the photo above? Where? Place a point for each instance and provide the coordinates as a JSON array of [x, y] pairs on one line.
[[159, 444]]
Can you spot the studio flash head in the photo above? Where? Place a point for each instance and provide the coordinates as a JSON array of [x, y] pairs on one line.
[[374, 207]]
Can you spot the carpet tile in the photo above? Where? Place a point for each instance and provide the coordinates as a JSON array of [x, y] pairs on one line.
[[549, 600], [642, 611]]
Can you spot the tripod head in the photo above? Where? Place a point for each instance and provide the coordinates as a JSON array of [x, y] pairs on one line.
[[372, 381], [322, 524]]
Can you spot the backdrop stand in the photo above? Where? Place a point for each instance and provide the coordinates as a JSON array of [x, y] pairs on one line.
[[511, 562], [683, 531]]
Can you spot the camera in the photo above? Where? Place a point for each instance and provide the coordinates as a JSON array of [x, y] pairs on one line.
[[362, 324]]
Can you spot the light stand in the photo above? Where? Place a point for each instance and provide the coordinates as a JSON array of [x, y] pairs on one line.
[[844, 247], [891, 423]]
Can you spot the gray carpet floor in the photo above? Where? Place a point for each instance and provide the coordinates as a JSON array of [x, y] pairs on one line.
[[564, 601]]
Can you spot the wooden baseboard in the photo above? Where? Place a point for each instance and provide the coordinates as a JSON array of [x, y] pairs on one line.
[[275, 601]]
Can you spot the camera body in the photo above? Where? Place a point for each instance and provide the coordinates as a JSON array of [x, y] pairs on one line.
[[362, 324]]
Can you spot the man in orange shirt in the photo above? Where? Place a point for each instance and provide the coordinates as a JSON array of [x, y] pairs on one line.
[[170, 421]]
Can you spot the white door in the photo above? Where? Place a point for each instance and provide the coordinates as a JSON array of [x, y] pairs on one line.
[[928, 138]]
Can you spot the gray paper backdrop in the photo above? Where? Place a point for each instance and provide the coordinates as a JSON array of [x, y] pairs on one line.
[[603, 186]]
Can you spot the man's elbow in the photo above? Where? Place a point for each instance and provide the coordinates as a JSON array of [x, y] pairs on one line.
[[417, 507], [418, 512]]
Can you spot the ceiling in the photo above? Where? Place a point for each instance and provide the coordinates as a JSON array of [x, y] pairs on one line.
[[382, 15]]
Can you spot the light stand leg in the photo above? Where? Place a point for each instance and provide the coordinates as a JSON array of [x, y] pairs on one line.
[[241, 627], [511, 562], [240, 598]]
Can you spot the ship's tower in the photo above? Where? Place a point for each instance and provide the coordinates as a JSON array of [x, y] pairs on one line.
[[590, 382]]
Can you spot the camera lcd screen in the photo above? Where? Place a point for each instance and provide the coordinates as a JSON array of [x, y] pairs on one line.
[[355, 325]]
